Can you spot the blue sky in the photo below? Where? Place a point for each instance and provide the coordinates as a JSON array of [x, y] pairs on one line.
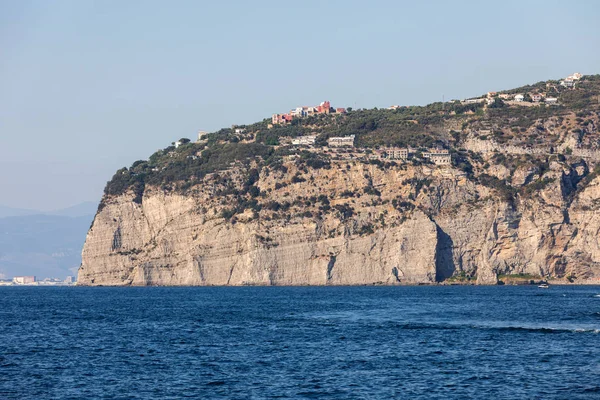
[[87, 87]]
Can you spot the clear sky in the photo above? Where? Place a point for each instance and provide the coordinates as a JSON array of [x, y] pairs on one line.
[[87, 87]]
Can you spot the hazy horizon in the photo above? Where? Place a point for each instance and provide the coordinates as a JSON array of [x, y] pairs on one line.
[[89, 87]]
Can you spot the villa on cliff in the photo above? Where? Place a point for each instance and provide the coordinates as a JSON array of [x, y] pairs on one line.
[[473, 101], [570, 80], [439, 156], [341, 141], [305, 111], [307, 140], [393, 153]]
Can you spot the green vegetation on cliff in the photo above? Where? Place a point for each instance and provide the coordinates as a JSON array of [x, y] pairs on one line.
[[553, 131]]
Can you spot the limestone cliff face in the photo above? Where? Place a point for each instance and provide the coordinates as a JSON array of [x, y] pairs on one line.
[[353, 224]]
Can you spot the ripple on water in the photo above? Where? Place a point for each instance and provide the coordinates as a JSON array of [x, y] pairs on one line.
[[382, 342]]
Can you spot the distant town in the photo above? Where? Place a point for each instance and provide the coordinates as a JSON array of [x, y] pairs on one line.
[[33, 281]]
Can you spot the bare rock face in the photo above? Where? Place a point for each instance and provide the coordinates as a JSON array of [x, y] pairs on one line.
[[524, 175], [499, 171], [165, 242], [401, 225]]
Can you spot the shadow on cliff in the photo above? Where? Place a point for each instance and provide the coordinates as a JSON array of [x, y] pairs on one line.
[[444, 261]]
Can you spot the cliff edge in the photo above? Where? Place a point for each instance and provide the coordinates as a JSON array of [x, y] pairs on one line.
[[517, 198]]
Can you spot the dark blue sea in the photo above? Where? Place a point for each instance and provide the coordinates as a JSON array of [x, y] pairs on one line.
[[300, 342]]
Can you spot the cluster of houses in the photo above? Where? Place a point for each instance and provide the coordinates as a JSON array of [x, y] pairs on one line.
[[437, 156], [305, 111], [519, 98], [536, 98], [338, 141], [568, 82]]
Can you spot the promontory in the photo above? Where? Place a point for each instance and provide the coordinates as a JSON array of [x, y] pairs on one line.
[[501, 187]]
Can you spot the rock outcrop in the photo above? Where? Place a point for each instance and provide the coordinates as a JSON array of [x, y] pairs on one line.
[[353, 224], [514, 197]]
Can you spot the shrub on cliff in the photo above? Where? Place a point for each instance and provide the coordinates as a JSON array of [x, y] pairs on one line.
[[123, 180], [167, 166], [538, 185], [345, 211], [505, 191]]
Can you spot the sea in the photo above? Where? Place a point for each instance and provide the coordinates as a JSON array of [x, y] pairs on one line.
[[429, 342]]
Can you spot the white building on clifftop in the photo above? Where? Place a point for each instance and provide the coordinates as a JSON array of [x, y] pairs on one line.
[[341, 141]]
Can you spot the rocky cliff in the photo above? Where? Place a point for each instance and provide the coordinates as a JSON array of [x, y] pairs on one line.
[[247, 207], [348, 225]]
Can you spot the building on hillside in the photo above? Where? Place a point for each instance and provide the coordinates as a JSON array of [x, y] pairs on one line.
[[504, 96], [341, 141], [239, 131], [491, 94], [308, 140], [441, 159], [305, 111], [536, 97], [23, 280], [551, 100], [297, 112], [281, 119], [490, 100], [393, 107], [519, 97], [439, 156], [393, 153], [324, 108], [567, 82], [473, 101]]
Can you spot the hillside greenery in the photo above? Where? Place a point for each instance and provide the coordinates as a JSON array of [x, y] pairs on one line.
[[421, 127]]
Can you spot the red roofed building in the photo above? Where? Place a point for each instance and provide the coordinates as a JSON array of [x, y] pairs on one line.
[[324, 108], [281, 118], [300, 112]]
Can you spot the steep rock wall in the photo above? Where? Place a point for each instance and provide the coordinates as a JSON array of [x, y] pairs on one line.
[[457, 227]]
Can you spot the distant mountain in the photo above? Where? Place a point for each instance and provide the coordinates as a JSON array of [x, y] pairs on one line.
[[78, 210], [14, 212], [43, 245]]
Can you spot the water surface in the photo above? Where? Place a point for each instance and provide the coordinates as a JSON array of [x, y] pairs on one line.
[[303, 342]]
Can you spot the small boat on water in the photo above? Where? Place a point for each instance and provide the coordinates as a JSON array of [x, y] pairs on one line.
[[544, 286]]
